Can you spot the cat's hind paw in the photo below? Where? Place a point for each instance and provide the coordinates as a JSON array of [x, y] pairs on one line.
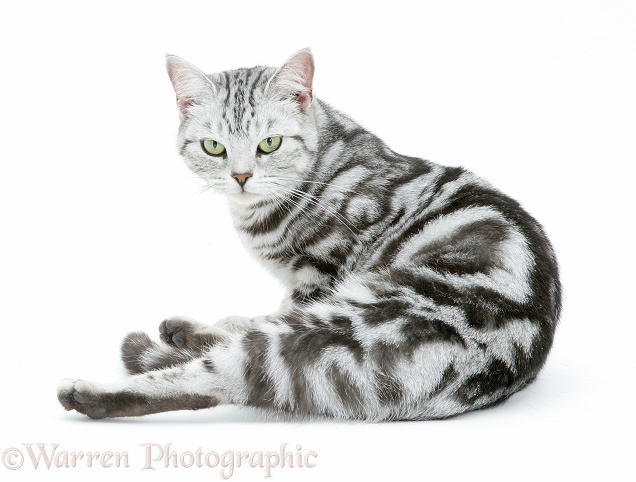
[[187, 334], [81, 396]]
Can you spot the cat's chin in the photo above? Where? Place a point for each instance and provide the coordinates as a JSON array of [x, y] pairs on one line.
[[245, 198]]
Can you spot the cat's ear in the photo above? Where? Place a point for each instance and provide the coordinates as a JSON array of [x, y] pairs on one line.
[[190, 84], [294, 79]]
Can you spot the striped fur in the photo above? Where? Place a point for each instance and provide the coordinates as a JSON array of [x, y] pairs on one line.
[[416, 291]]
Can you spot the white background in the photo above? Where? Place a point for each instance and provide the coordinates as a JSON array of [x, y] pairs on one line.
[[104, 231]]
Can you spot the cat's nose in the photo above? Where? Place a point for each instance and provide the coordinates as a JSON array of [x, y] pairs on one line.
[[242, 178]]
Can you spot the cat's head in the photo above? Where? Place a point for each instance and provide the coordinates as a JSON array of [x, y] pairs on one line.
[[248, 133]]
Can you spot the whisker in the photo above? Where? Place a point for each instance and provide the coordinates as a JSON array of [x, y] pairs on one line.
[[285, 201], [318, 203], [347, 188], [207, 187]]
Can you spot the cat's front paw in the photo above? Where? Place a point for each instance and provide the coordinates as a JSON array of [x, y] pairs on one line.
[[187, 334], [81, 396]]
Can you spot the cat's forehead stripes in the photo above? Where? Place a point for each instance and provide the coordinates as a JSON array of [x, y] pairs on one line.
[[241, 90]]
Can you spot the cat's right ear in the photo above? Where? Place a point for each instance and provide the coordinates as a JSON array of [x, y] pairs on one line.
[[190, 84]]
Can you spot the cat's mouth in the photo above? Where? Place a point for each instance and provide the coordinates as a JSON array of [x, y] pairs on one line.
[[244, 192], [244, 196]]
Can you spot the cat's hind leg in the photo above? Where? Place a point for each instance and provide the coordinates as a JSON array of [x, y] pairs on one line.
[[185, 387], [188, 334], [183, 340], [140, 354]]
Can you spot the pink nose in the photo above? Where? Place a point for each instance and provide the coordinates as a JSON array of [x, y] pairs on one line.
[[241, 178]]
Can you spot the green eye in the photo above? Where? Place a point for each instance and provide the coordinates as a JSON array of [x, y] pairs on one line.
[[269, 145], [212, 147]]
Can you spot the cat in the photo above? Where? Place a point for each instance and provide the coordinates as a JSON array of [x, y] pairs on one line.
[[415, 291]]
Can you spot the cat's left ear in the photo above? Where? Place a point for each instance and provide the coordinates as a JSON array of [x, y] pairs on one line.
[[294, 79]]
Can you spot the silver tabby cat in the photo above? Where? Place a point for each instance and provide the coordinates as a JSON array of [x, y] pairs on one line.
[[416, 291]]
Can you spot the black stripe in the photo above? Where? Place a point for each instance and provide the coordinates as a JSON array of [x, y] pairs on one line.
[[449, 376], [262, 390], [274, 219], [302, 141], [311, 336], [226, 101], [348, 393], [388, 389], [185, 146], [422, 329], [322, 265], [449, 175], [251, 100], [240, 82], [484, 308], [470, 249], [390, 249], [496, 378]]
